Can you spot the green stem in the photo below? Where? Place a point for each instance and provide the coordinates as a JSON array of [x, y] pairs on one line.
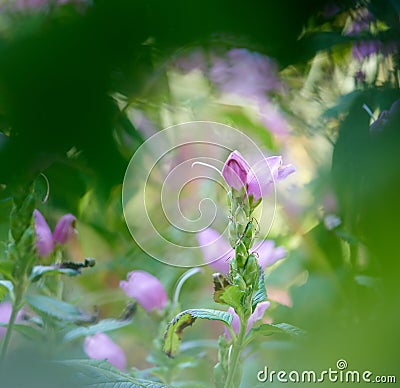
[[237, 347], [10, 327]]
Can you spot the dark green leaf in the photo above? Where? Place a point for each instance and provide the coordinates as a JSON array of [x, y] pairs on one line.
[[186, 318], [57, 309], [261, 294], [101, 374], [100, 327]]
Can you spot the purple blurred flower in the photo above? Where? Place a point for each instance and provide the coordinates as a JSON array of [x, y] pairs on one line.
[[195, 60], [44, 238], [100, 346], [268, 254], [330, 10], [365, 48], [146, 289], [245, 73], [256, 316], [65, 229], [217, 251], [361, 22], [259, 180], [273, 119], [5, 315]]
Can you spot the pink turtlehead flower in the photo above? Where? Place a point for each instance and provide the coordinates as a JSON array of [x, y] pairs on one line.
[[256, 316], [258, 180], [217, 251], [5, 315], [65, 229], [100, 346], [44, 238], [146, 289]]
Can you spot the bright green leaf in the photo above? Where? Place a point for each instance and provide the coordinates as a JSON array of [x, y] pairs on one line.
[[5, 287], [57, 309], [6, 268], [186, 318], [279, 328], [100, 327]]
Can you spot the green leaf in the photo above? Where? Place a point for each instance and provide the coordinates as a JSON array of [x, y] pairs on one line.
[[279, 328], [57, 309], [173, 334], [101, 374], [7, 268], [261, 294], [39, 270], [27, 331], [100, 327], [226, 293], [5, 287]]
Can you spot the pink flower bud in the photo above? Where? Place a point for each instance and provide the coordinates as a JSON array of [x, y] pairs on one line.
[[44, 238], [100, 346], [146, 289], [235, 170], [259, 180], [64, 229], [5, 315], [256, 316]]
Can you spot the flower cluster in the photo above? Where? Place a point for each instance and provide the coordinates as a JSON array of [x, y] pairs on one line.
[[257, 181], [45, 239]]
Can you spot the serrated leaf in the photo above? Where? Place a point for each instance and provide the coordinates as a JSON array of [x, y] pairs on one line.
[[57, 309], [5, 287], [101, 374], [261, 294], [173, 334], [26, 330], [279, 328], [40, 270], [100, 327]]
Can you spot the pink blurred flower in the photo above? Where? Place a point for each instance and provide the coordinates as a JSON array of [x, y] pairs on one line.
[[268, 254], [44, 238], [256, 316], [217, 251], [146, 289], [64, 229], [5, 315], [245, 73], [259, 179], [100, 346]]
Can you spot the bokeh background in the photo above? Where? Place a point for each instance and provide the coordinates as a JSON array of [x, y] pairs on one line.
[[84, 83]]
